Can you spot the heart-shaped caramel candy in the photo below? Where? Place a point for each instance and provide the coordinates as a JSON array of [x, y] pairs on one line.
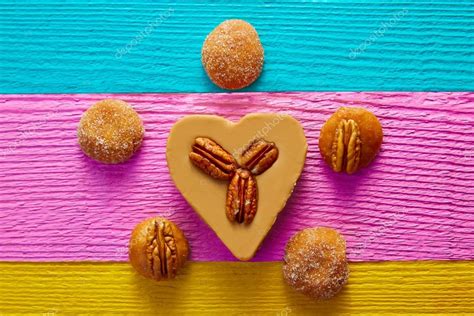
[[237, 176]]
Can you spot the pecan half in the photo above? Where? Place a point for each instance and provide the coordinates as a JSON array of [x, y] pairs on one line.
[[241, 203], [211, 158], [161, 251], [346, 147], [259, 156]]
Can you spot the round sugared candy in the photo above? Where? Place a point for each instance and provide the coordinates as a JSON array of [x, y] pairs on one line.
[[232, 55], [315, 262], [110, 131]]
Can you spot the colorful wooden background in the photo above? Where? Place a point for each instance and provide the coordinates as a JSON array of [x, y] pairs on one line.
[[408, 219]]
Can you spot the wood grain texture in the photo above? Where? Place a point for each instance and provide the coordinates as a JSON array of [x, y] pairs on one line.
[[416, 200], [233, 288], [102, 46]]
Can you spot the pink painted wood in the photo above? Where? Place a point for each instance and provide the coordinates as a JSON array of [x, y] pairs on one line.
[[415, 202]]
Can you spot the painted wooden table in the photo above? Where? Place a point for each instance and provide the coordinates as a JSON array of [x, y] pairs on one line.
[[408, 219]]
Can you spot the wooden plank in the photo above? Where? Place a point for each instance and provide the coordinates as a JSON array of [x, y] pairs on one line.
[[236, 288], [148, 46], [414, 202]]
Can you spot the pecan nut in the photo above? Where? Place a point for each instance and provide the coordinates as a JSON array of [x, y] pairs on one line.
[[346, 147], [259, 156], [241, 203], [211, 158], [161, 250]]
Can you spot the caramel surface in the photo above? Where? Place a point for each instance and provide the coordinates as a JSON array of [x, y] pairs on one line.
[[207, 195]]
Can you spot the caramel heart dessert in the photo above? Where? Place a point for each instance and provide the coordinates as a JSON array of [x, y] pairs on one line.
[[237, 176]]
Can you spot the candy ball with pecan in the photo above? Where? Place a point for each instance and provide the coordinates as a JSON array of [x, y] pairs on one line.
[[158, 249], [315, 262], [350, 139]]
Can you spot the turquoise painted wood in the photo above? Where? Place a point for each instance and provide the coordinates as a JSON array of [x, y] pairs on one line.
[[154, 46]]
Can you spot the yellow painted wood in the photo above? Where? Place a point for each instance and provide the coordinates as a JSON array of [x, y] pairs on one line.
[[228, 288]]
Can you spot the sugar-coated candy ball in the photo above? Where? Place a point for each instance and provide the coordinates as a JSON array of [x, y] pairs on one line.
[[110, 131], [232, 55]]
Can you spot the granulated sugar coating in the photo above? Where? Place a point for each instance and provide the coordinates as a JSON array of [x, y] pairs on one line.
[[232, 55], [315, 262], [110, 131]]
